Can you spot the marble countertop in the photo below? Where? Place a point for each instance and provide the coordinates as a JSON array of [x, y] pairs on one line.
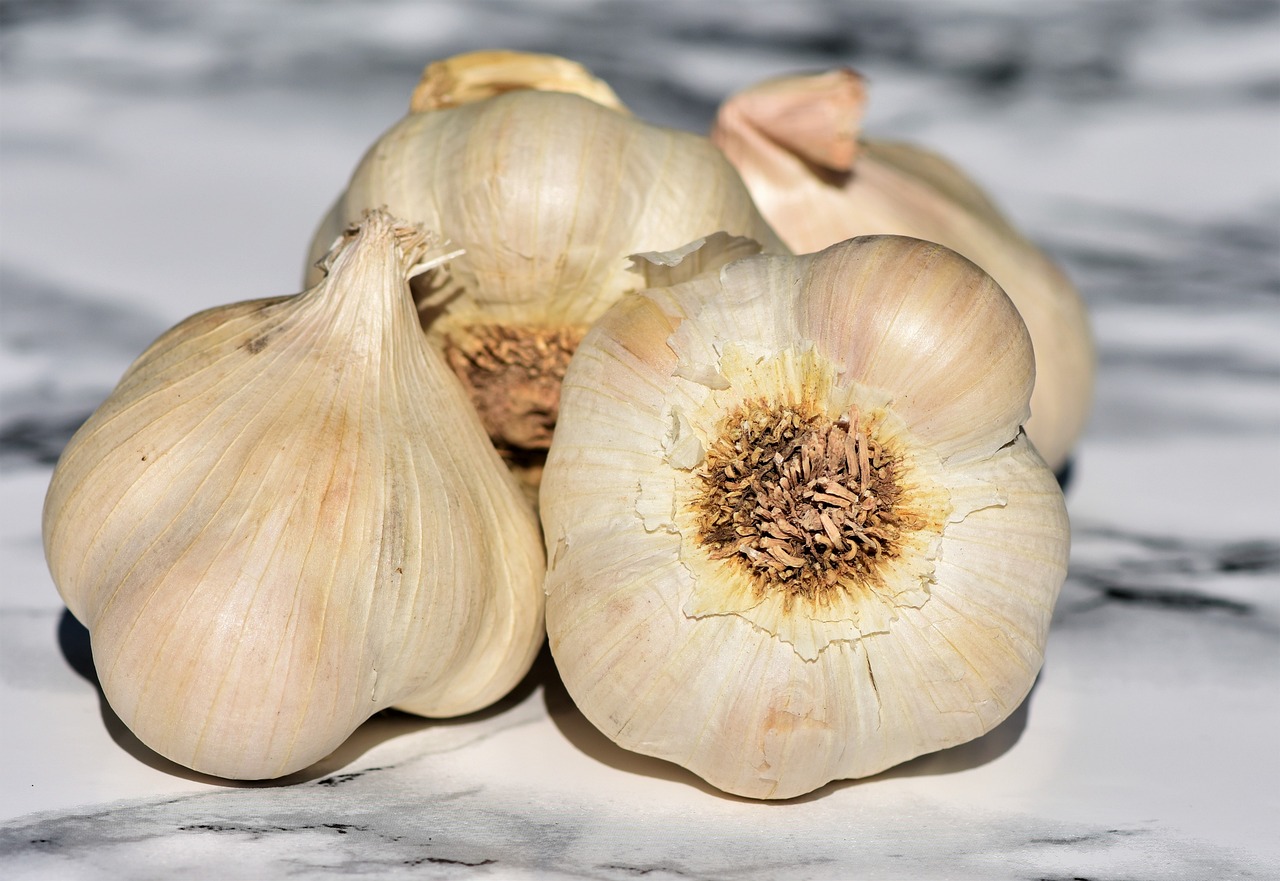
[[162, 158]]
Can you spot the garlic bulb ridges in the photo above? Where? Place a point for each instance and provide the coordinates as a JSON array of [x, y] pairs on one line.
[[795, 141], [287, 517], [795, 531]]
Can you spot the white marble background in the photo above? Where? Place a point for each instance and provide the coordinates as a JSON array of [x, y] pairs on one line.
[[160, 158]]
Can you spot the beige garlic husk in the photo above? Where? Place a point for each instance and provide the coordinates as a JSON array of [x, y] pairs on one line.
[[533, 167], [287, 517], [795, 532], [795, 141]]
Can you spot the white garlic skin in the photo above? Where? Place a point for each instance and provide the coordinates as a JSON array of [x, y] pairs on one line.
[[795, 142], [548, 193], [670, 657], [286, 518]]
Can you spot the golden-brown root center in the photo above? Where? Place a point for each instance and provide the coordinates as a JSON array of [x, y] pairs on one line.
[[802, 502], [513, 375]]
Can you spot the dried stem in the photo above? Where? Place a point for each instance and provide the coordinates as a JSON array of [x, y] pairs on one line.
[[804, 503]]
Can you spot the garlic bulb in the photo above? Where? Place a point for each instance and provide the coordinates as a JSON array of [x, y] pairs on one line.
[[795, 142], [794, 531], [548, 192], [287, 517]]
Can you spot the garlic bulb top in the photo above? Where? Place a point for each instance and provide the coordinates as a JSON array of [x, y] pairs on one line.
[[474, 76], [795, 142], [287, 517], [548, 193], [794, 531]]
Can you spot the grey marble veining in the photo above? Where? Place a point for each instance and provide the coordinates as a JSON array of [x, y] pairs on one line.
[[157, 159], [377, 821]]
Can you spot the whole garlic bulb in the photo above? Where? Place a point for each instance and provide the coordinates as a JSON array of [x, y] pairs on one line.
[[795, 142], [548, 192], [287, 517], [794, 531]]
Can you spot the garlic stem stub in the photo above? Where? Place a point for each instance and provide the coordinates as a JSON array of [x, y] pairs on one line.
[[287, 517], [474, 76], [794, 530], [795, 141], [549, 185]]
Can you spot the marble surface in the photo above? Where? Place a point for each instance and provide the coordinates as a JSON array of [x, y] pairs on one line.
[[161, 158]]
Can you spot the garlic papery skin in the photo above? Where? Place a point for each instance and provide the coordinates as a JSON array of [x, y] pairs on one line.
[[548, 193], [794, 531], [795, 142], [474, 76], [287, 517]]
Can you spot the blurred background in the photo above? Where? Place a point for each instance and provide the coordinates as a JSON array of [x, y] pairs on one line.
[[161, 158], [164, 157]]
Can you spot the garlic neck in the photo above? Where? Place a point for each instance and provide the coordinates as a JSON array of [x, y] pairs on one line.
[[365, 294], [793, 126]]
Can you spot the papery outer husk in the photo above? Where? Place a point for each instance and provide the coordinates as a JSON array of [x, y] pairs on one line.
[[548, 193], [286, 518], [718, 694], [474, 76], [818, 185]]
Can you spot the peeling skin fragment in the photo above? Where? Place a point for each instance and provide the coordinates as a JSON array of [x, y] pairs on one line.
[[653, 503], [682, 445], [703, 375]]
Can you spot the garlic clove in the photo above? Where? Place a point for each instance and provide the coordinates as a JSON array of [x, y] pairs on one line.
[[815, 566], [548, 193], [817, 185], [287, 517], [880, 307]]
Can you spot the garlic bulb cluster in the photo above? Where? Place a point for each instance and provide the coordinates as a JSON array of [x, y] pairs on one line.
[[287, 517], [532, 167], [794, 531], [795, 142]]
